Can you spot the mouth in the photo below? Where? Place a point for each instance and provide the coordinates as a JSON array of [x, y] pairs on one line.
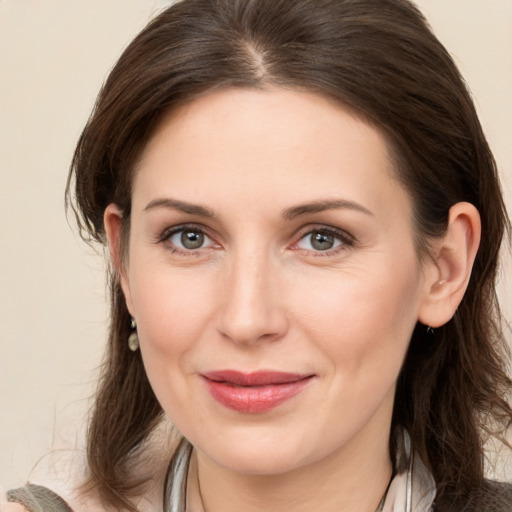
[[255, 392]]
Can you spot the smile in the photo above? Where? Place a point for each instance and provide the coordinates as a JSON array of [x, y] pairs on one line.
[[254, 392]]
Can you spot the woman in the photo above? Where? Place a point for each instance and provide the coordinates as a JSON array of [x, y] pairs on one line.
[[303, 218]]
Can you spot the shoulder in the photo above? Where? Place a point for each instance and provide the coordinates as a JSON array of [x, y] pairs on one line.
[[34, 498], [7, 506], [11, 507], [496, 496], [492, 496], [37, 498]]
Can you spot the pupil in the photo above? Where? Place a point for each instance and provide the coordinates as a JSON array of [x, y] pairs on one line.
[[321, 241], [192, 239]]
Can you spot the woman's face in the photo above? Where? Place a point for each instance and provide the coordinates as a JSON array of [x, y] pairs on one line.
[[273, 275]]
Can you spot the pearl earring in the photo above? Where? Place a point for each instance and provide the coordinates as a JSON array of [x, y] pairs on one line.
[[133, 339]]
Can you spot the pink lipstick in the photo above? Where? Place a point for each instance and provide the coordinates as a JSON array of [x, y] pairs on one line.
[[254, 392]]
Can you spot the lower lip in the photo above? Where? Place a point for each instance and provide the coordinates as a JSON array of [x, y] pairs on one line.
[[254, 399]]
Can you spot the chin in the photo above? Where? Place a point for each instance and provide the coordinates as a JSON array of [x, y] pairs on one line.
[[260, 457], [261, 464]]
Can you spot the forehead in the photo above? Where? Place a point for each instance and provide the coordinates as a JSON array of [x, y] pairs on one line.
[[252, 140]]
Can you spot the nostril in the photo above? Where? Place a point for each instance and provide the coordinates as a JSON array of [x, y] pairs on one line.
[[265, 326], [252, 309]]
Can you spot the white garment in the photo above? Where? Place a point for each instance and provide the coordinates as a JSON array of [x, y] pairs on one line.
[[413, 490]]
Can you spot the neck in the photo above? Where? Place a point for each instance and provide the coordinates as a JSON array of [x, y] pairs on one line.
[[351, 479]]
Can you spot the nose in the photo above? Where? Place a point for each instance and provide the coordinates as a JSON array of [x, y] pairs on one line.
[[252, 310]]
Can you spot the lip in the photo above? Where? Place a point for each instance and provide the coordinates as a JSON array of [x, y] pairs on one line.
[[254, 392]]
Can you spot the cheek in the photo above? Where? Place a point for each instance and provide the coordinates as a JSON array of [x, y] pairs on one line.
[[364, 317], [172, 308]]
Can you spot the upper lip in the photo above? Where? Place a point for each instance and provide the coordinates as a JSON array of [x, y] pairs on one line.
[[258, 378]]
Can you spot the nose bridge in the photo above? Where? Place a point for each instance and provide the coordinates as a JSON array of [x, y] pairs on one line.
[[251, 310]]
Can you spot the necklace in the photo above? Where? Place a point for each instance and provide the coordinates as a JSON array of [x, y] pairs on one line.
[[175, 489], [383, 500], [379, 508]]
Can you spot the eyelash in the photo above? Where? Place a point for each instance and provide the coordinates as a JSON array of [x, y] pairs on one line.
[[166, 236], [345, 239]]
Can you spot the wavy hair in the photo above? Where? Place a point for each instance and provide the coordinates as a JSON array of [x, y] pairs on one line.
[[379, 58]]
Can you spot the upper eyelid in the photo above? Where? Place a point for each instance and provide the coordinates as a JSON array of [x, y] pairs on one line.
[[168, 233], [342, 234], [171, 230], [347, 240]]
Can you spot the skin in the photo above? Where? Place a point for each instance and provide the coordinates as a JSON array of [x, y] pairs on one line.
[[258, 295]]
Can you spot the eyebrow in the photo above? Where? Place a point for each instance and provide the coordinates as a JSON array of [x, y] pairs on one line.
[[321, 206], [288, 214], [182, 206]]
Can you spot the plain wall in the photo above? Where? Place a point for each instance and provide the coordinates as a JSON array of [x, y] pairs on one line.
[[54, 55]]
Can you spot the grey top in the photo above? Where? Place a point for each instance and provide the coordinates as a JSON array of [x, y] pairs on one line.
[[412, 489], [36, 498], [494, 497]]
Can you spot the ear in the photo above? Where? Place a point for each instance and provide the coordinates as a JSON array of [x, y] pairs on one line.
[[113, 220], [448, 274]]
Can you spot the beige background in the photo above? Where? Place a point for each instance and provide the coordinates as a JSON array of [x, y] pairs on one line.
[[54, 55]]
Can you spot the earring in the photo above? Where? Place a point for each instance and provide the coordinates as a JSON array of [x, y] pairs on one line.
[[133, 339], [423, 340]]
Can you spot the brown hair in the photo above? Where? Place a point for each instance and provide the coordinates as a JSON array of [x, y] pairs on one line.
[[380, 58]]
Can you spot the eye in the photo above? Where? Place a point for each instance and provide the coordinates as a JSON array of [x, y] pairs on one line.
[[188, 239], [323, 240]]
